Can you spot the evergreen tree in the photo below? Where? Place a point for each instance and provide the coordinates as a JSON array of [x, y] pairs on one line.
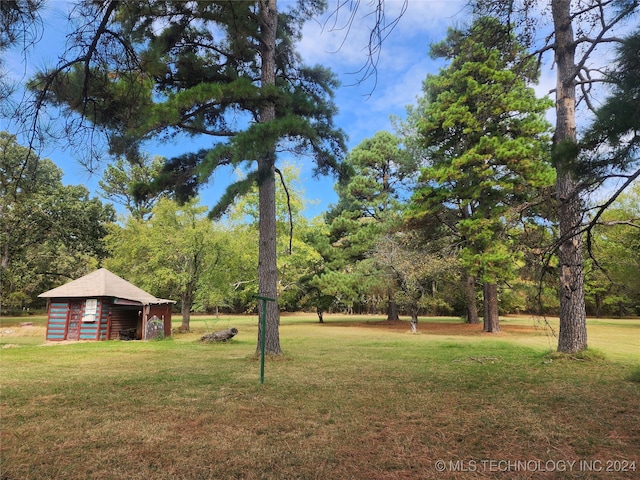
[[580, 33], [226, 70], [612, 141], [369, 204], [486, 139], [612, 144], [126, 184], [19, 25]]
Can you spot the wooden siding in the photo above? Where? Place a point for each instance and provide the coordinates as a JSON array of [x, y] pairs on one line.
[[57, 323], [74, 320], [123, 319], [93, 330], [103, 328], [163, 312], [110, 318]]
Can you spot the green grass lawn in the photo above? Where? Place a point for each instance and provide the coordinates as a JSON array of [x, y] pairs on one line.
[[352, 398]]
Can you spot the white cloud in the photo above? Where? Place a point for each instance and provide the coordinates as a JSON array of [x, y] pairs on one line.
[[333, 40], [401, 67]]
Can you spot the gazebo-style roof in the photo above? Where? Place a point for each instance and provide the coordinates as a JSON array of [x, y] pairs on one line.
[[103, 283]]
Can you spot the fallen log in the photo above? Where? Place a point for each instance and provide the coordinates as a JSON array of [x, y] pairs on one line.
[[222, 336]]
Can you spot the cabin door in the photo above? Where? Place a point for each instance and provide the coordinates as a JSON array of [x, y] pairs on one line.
[[75, 321]]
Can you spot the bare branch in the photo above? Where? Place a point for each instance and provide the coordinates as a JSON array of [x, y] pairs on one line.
[[286, 190], [600, 38], [378, 33], [630, 223], [598, 5], [601, 208]]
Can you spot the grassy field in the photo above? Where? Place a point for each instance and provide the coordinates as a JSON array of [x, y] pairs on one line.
[[354, 398]]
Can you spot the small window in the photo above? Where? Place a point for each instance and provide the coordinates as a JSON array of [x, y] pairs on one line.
[[90, 310]]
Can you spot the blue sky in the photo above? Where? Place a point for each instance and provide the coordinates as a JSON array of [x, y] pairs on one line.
[[364, 108]]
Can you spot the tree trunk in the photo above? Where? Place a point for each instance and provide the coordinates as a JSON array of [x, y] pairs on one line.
[[573, 323], [392, 309], [491, 318], [267, 269], [414, 319], [187, 302], [221, 336], [4, 261], [469, 286]]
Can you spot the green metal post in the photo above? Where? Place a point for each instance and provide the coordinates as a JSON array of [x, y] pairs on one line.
[[264, 333]]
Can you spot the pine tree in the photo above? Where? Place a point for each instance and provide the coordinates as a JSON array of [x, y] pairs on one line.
[[581, 32], [219, 69], [486, 139], [369, 204]]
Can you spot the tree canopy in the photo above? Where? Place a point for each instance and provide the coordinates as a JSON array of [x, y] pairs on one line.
[[575, 32], [127, 184], [471, 168], [177, 253], [49, 232], [612, 141], [486, 142], [369, 205], [225, 70]]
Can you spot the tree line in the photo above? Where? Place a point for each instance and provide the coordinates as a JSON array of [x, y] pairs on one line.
[[489, 189], [370, 253]]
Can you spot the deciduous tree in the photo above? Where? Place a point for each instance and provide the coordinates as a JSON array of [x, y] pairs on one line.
[[49, 232], [423, 268], [612, 280], [177, 253], [296, 257]]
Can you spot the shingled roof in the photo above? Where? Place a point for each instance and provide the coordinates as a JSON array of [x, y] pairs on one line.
[[103, 283]]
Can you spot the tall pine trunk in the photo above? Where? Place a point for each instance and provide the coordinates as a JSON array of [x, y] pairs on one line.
[[573, 324], [267, 268], [491, 318]]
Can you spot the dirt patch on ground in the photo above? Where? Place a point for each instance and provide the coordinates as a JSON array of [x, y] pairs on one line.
[[441, 328]]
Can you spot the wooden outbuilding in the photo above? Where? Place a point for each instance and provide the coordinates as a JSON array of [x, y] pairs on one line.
[[103, 306]]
